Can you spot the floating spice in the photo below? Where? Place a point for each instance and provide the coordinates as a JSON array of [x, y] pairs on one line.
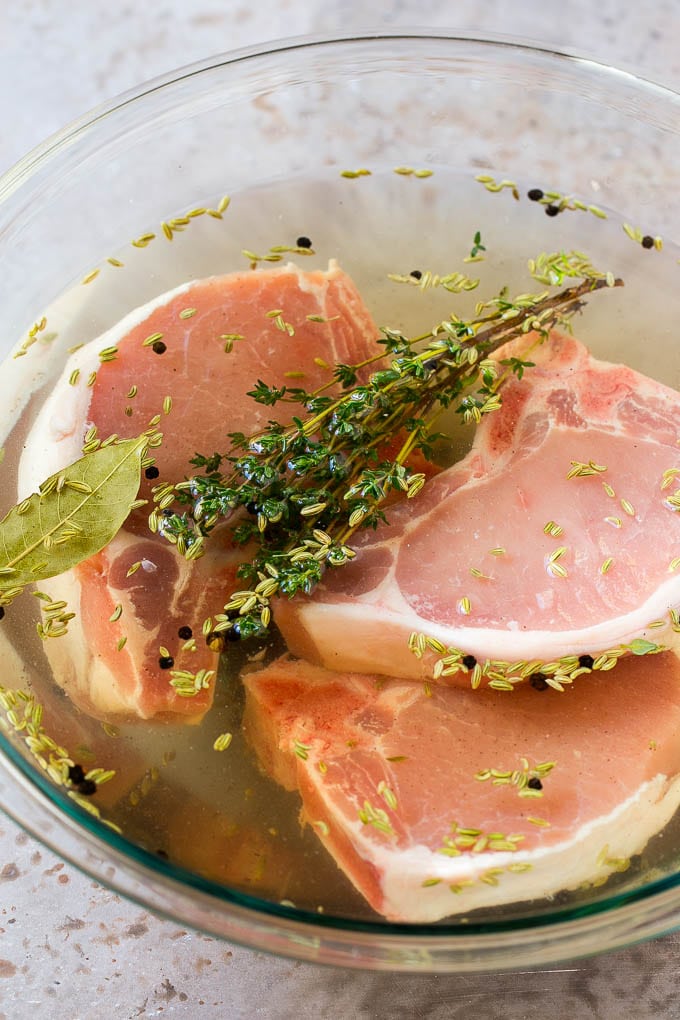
[[20, 712], [222, 742]]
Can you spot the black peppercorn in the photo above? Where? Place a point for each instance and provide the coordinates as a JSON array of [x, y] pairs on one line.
[[469, 661], [552, 210], [76, 774], [535, 783], [185, 633], [303, 242], [152, 472], [535, 194], [647, 241], [166, 662], [87, 787], [233, 634], [416, 274], [538, 682], [159, 347], [586, 661]]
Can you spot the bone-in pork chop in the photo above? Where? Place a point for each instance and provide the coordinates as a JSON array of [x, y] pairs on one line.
[[184, 359], [556, 535], [403, 788]]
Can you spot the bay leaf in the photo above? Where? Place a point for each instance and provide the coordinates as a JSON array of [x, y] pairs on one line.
[[75, 514]]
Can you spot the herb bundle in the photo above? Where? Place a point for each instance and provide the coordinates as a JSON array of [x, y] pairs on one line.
[[295, 494]]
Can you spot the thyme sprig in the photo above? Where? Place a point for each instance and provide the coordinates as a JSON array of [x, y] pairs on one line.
[[295, 494]]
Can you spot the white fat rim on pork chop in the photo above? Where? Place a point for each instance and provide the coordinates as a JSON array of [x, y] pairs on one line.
[[70, 656], [319, 619], [56, 437], [21, 378], [594, 852], [55, 441]]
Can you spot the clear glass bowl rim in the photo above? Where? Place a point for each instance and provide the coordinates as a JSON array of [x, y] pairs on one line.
[[182, 896]]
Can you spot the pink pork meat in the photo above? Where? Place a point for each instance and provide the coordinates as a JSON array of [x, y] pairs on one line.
[[557, 535], [174, 347], [403, 788]]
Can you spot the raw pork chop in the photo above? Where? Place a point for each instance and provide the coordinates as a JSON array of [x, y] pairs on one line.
[[598, 582], [208, 389], [387, 779]]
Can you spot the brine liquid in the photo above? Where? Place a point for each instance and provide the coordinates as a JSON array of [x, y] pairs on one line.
[[214, 812]]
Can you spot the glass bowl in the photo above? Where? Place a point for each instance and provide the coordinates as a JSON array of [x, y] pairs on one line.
[[271, 119]]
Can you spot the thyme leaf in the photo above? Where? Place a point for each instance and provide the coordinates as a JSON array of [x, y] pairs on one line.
[[477, 245], [640, 646]]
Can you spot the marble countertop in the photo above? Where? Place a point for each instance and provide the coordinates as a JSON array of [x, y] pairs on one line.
[[69, 948]]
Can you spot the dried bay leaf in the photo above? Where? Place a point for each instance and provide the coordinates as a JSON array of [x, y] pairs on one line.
[[76, 513]]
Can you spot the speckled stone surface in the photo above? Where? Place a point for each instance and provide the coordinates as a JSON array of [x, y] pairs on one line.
[[69, 948]]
